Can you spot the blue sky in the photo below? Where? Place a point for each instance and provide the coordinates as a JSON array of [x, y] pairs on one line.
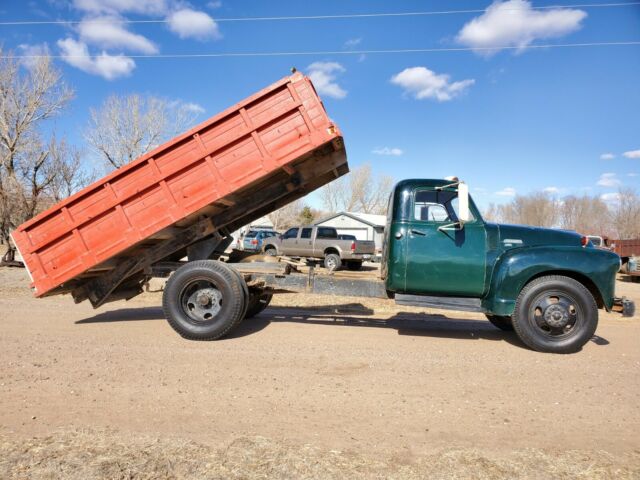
[[506, 121]]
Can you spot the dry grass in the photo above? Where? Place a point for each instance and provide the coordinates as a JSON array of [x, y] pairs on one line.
[[92, 454]]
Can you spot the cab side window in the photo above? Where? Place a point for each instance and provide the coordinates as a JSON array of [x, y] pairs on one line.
[[431, 206], [291, 233], [306, 233]]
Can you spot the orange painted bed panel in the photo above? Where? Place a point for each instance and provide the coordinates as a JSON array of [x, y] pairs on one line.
[[231, 150]]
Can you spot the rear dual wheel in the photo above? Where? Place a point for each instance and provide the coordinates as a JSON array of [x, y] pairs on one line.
[[258, 301], [205, 300]]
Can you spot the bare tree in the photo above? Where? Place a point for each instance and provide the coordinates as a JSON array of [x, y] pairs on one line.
[[585, 214], [28, 97], [492, 213], [124, 128], [538, 209], [287, 216], [626, 214], [358, 191]]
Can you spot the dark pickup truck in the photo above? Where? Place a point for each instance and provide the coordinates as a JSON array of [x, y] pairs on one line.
[[321, 243]]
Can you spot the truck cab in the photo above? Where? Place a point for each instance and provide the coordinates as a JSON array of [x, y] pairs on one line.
[[545, 283]]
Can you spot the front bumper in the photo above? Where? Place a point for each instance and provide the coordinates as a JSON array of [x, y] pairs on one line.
[[625, 306]]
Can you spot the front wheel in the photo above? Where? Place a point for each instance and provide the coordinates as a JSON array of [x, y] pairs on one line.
[[204, 300], [555, 314], [502, 322]]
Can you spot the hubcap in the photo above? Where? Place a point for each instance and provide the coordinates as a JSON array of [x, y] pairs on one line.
[[555, 313], [201, 301]]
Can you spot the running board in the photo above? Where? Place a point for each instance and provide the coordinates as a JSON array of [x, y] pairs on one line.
[[447, 303]]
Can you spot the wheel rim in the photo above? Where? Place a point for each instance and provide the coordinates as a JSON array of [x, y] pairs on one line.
[[201, 301], [555, 314], [331, 263]]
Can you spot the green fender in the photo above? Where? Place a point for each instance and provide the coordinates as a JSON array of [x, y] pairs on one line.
[[595, 268]]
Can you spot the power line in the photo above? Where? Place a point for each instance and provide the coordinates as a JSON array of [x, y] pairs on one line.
[[320, 17], [347, 52]]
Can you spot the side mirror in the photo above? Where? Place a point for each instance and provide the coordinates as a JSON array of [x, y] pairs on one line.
[[464, 215]]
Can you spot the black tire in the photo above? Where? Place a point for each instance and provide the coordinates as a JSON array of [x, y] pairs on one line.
[[270, 251], [502, 322], [354, 265], [204, 280], [245, 290], [257, 303], [555, 314], [332, 262]]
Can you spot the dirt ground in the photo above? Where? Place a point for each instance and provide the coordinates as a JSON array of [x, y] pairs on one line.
[[314, 387]]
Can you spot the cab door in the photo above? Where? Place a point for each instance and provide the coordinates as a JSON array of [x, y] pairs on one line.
[[442, 258], [289, 242]]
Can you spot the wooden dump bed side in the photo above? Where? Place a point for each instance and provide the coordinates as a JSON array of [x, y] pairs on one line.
[[254, 157]]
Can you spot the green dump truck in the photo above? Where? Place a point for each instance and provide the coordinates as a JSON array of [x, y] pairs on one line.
[[438, 252]]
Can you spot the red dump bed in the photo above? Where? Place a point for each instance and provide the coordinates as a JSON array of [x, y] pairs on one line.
[[221, 169]]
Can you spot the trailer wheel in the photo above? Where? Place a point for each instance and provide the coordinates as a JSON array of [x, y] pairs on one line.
[[555, 314], [257, 303], [332, 261], [204, 300], [502, 322]]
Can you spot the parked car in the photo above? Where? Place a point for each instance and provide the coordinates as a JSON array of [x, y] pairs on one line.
[[321, 243], [254, 240], [346, 236]]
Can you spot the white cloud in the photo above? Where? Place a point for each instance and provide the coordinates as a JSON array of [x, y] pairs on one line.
[[188, 23], [352, 43], [76, 54], [632, 154], [147, 7], [552, 190], [394, 152], [193, 108], [613, 197], [423, 83], [323, 75], [607, 156], [515, 24], [632, 174], [608, 180], [36, 50], [507, 192], [110, 32]]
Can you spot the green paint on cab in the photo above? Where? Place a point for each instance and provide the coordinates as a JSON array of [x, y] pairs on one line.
[[427, 252]]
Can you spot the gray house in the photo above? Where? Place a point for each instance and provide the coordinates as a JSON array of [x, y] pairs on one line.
[[364, 226]]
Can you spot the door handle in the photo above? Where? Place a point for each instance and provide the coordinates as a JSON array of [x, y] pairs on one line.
[[418, 232]]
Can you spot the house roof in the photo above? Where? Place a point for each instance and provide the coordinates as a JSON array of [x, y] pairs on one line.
[[368, 218]]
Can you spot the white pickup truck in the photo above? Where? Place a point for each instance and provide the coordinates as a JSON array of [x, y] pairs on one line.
[[321, 243]]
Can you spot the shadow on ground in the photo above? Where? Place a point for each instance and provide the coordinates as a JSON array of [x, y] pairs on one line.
[[344, 315]]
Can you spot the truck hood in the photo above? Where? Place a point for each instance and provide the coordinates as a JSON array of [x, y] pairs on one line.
[[516, 236]]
